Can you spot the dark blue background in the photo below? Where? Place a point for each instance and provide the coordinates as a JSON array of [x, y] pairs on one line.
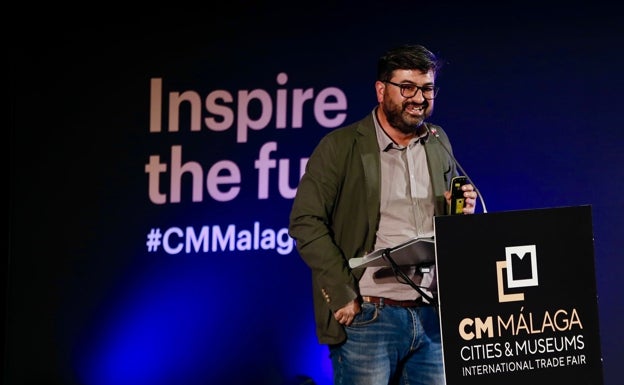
[[530, 97]]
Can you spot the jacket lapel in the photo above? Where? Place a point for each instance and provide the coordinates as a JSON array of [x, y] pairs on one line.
[[369, 150]]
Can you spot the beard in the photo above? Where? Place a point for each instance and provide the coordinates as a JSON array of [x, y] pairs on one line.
[[403, 121]]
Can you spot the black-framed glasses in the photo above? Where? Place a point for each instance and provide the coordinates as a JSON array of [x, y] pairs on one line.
[[409, 90]]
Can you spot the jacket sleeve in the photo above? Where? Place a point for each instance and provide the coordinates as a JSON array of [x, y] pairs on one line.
[[311, 223]]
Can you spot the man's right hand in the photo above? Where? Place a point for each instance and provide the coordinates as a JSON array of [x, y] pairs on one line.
[[345, 314]]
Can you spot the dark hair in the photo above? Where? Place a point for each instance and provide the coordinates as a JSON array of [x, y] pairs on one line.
[[407, 57]]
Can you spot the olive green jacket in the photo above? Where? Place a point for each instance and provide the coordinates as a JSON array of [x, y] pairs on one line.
[[335, 214]]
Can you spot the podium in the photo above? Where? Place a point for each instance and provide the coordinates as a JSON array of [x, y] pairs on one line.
[[517, 297]]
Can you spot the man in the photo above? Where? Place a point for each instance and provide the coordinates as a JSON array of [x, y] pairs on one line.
[[372, 185]]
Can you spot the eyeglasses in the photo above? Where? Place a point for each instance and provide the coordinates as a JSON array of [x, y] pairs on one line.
[[409, 90]]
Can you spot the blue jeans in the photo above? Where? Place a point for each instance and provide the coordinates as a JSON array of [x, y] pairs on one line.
[[390, 345]]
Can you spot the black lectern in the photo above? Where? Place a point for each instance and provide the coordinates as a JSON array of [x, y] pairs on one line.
[[517, 297]]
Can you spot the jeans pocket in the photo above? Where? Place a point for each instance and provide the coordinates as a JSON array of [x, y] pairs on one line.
[[368, 314]]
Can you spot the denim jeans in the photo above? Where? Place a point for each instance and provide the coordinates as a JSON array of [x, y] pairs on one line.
[[390, 345]]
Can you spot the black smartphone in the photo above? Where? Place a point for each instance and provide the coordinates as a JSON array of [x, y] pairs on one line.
[[457, 195]]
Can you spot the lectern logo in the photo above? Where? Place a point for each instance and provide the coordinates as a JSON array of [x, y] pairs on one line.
[[520, 265]]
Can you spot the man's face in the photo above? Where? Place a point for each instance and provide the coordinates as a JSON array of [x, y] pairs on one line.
[[406, 114]]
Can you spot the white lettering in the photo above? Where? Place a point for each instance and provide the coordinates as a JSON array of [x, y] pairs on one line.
[[255, 109]]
